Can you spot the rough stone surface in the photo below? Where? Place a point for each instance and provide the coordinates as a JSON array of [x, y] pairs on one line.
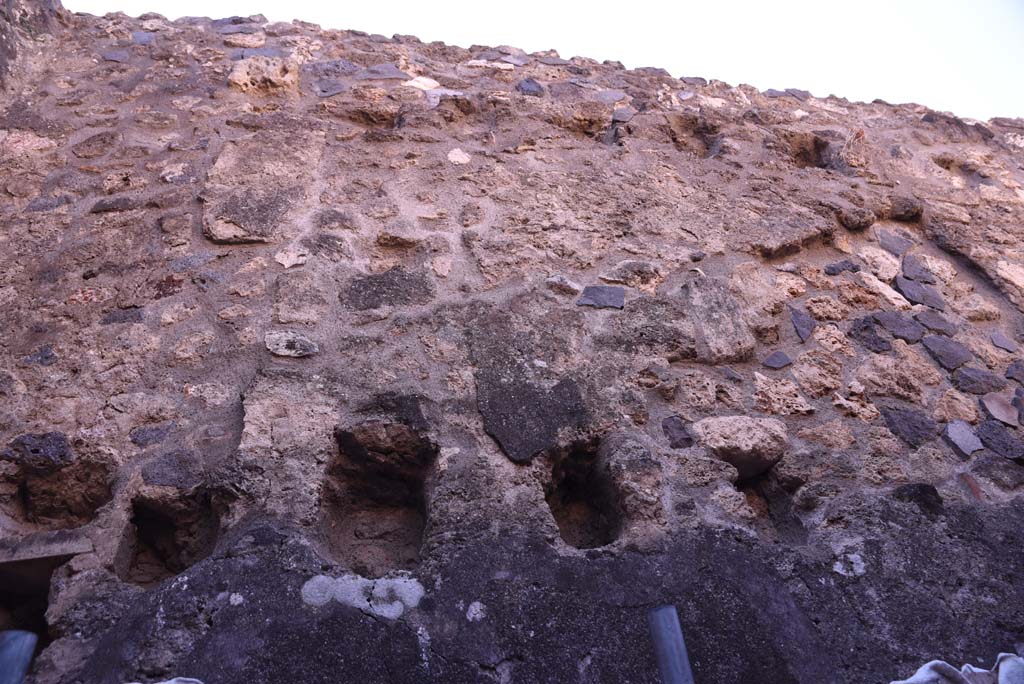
[[473, 479], [752, 445]]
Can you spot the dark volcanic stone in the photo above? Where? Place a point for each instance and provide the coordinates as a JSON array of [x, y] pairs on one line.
[[894, 243], [107, 204], [394, 287], [120, 56], [147, 435], [1016, 371], [1000, 340], [1007, 474], [678, 435], [133, 315], [977, 381], [524, 418], [840, 266], [905, 208], [864, 332], [961, 437], [912, 426], [949, 353], [919, 293], [923, 495], [802, 323], [39, 453], [602, 297], [528, 86], [900, 325], [915, 269], [936, 322], [777, 360], [44, 356], [1000, 439]]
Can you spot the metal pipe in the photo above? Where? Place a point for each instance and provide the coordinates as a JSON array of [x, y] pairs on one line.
[[669, 647], [16, 649]]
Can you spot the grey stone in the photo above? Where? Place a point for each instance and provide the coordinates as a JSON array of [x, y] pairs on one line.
[[39, 452], [838, 267], [919, 293], [142, 37], [679, 437], [147, 435], [133, 315], [603, 297], [1015, 371], [1000, 340], [119, 56], [44, 356], [894, 243], [394, 287], [1000, 405], [961, 437], [381, 72], [864, 332], [977, 381], [950, 354], [623, 114], [530, 87], [610, 97], [290, 343], [1000, 439], [802, 322], [900, 325], [912, 426], [936, 322], [914, 268], [777, 360]]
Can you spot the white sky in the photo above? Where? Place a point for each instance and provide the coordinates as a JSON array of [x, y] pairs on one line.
[[963, 56]]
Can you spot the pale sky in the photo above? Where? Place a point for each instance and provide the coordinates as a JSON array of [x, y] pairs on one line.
[[962, 56]]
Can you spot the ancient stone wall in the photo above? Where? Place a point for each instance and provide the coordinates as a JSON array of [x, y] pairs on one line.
[[331, 357]]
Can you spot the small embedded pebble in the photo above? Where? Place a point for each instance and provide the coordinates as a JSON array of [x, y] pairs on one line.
[[961, 437], [1016, 371], [914, 268], [777, 360], [458, 157], [900, 325], [977, 381], [562, 285], [936, 322], [838, 267], [999, 405], [675, 430], [894, 243], [1000, 340], [802, 323], [530, 87], [1000, 439], [603, 297], [949, 353], [919, 293]]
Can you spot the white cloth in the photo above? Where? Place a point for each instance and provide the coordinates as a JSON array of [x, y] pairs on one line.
[[1009, 669]]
